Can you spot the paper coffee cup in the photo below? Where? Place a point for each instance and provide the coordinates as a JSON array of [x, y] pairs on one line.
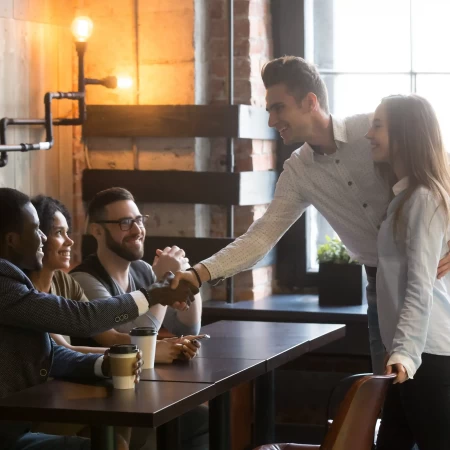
[[122, 359], [145, 339]]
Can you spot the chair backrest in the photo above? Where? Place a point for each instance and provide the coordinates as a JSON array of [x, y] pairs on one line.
[[338, 394], [354, 425]]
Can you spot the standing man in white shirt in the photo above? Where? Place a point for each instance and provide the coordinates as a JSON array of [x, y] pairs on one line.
[[332, 170]]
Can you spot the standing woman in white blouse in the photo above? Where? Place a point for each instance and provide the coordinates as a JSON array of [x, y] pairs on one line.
[[413, 305]]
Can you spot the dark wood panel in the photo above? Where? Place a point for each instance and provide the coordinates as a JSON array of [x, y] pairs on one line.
[[226, 373], [196, 249], [150, 404], [235, 121], [176, 186], [300, 309], [285, 308]]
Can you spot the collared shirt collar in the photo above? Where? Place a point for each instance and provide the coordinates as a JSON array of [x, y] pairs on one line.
[[339, 134], [339, 130], [400, 186]]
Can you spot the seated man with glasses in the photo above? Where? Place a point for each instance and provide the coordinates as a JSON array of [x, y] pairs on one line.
[[118, 226]]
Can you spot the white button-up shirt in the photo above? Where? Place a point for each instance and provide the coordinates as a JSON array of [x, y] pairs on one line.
[[413, 305], [343, 187]]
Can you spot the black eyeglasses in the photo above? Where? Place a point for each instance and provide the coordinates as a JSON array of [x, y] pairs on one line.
[[127, 224]]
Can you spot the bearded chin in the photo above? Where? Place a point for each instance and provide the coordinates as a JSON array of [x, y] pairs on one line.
[[123, 252]]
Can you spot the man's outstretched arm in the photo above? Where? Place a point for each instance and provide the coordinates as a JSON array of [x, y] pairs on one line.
[[286, 207]]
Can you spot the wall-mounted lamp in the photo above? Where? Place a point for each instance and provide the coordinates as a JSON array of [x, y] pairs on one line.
[[82, 28]]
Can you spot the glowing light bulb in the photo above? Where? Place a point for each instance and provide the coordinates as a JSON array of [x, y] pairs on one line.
[[82, 27], [124, 82]]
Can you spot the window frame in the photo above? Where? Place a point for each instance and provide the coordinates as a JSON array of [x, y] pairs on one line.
[[289, 30]]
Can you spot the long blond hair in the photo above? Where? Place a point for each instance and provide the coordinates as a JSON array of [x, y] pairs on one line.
[[415, 137]]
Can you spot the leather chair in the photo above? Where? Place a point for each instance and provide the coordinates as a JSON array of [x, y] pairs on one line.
[[354, 425]]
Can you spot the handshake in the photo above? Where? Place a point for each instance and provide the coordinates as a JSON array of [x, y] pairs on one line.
[[161, 292]]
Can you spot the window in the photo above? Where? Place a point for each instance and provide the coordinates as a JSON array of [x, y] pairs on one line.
[[366, 50]]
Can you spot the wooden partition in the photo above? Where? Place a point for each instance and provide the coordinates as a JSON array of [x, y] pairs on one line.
[[37, 48]]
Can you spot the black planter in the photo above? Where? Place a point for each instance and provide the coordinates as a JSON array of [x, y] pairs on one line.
[[340, 284]]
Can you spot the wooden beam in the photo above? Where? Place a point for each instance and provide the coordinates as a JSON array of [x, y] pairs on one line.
[[172, 186], [233, 121], [197, 249]]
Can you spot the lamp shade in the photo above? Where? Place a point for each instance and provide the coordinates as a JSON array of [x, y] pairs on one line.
[[82, 27]]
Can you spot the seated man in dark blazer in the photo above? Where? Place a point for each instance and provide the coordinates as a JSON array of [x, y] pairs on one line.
[[29, 356]]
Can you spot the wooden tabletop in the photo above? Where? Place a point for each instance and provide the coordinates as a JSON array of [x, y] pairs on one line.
[[150, 404], [224, 372], [257, 330], [276, 343], [285, 308], [241, 351], [235, 353]]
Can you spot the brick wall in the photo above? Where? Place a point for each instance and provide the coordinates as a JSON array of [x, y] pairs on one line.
[[252, 48], [176, 53]]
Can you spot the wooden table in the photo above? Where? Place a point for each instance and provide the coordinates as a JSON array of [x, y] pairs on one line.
[[285, 308], [243, 351], [237, 352], [225, 373], [102, 407], [299, 309]]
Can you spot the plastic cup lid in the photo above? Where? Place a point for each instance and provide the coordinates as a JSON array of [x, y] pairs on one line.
[[143, 331], [123, 349]]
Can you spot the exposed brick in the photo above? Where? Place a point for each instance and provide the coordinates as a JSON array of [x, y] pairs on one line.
[[218, 28], [168, 76], [242, 28], [219, 68], [242, 47], [257, 146], [263, 162], [216, 10], [241, 8], [242, 91], [244, 164], [242, 68], [219, 47], [242, 293]]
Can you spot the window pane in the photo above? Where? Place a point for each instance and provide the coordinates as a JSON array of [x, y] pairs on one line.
[[316, 230], [353, 94], [349, 94], [435, 88], [357, 35], [430, 35]]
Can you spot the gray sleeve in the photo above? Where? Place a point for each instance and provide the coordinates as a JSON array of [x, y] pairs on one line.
[[93, 289], [173, 324]]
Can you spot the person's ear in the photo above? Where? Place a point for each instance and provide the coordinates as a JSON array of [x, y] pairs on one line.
[[95, 229], [310, 102], [13, 239]]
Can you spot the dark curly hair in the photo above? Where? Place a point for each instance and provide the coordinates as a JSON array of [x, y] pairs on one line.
[[46, 208]]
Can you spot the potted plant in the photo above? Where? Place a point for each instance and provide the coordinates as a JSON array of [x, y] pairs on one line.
[[340, 277]]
